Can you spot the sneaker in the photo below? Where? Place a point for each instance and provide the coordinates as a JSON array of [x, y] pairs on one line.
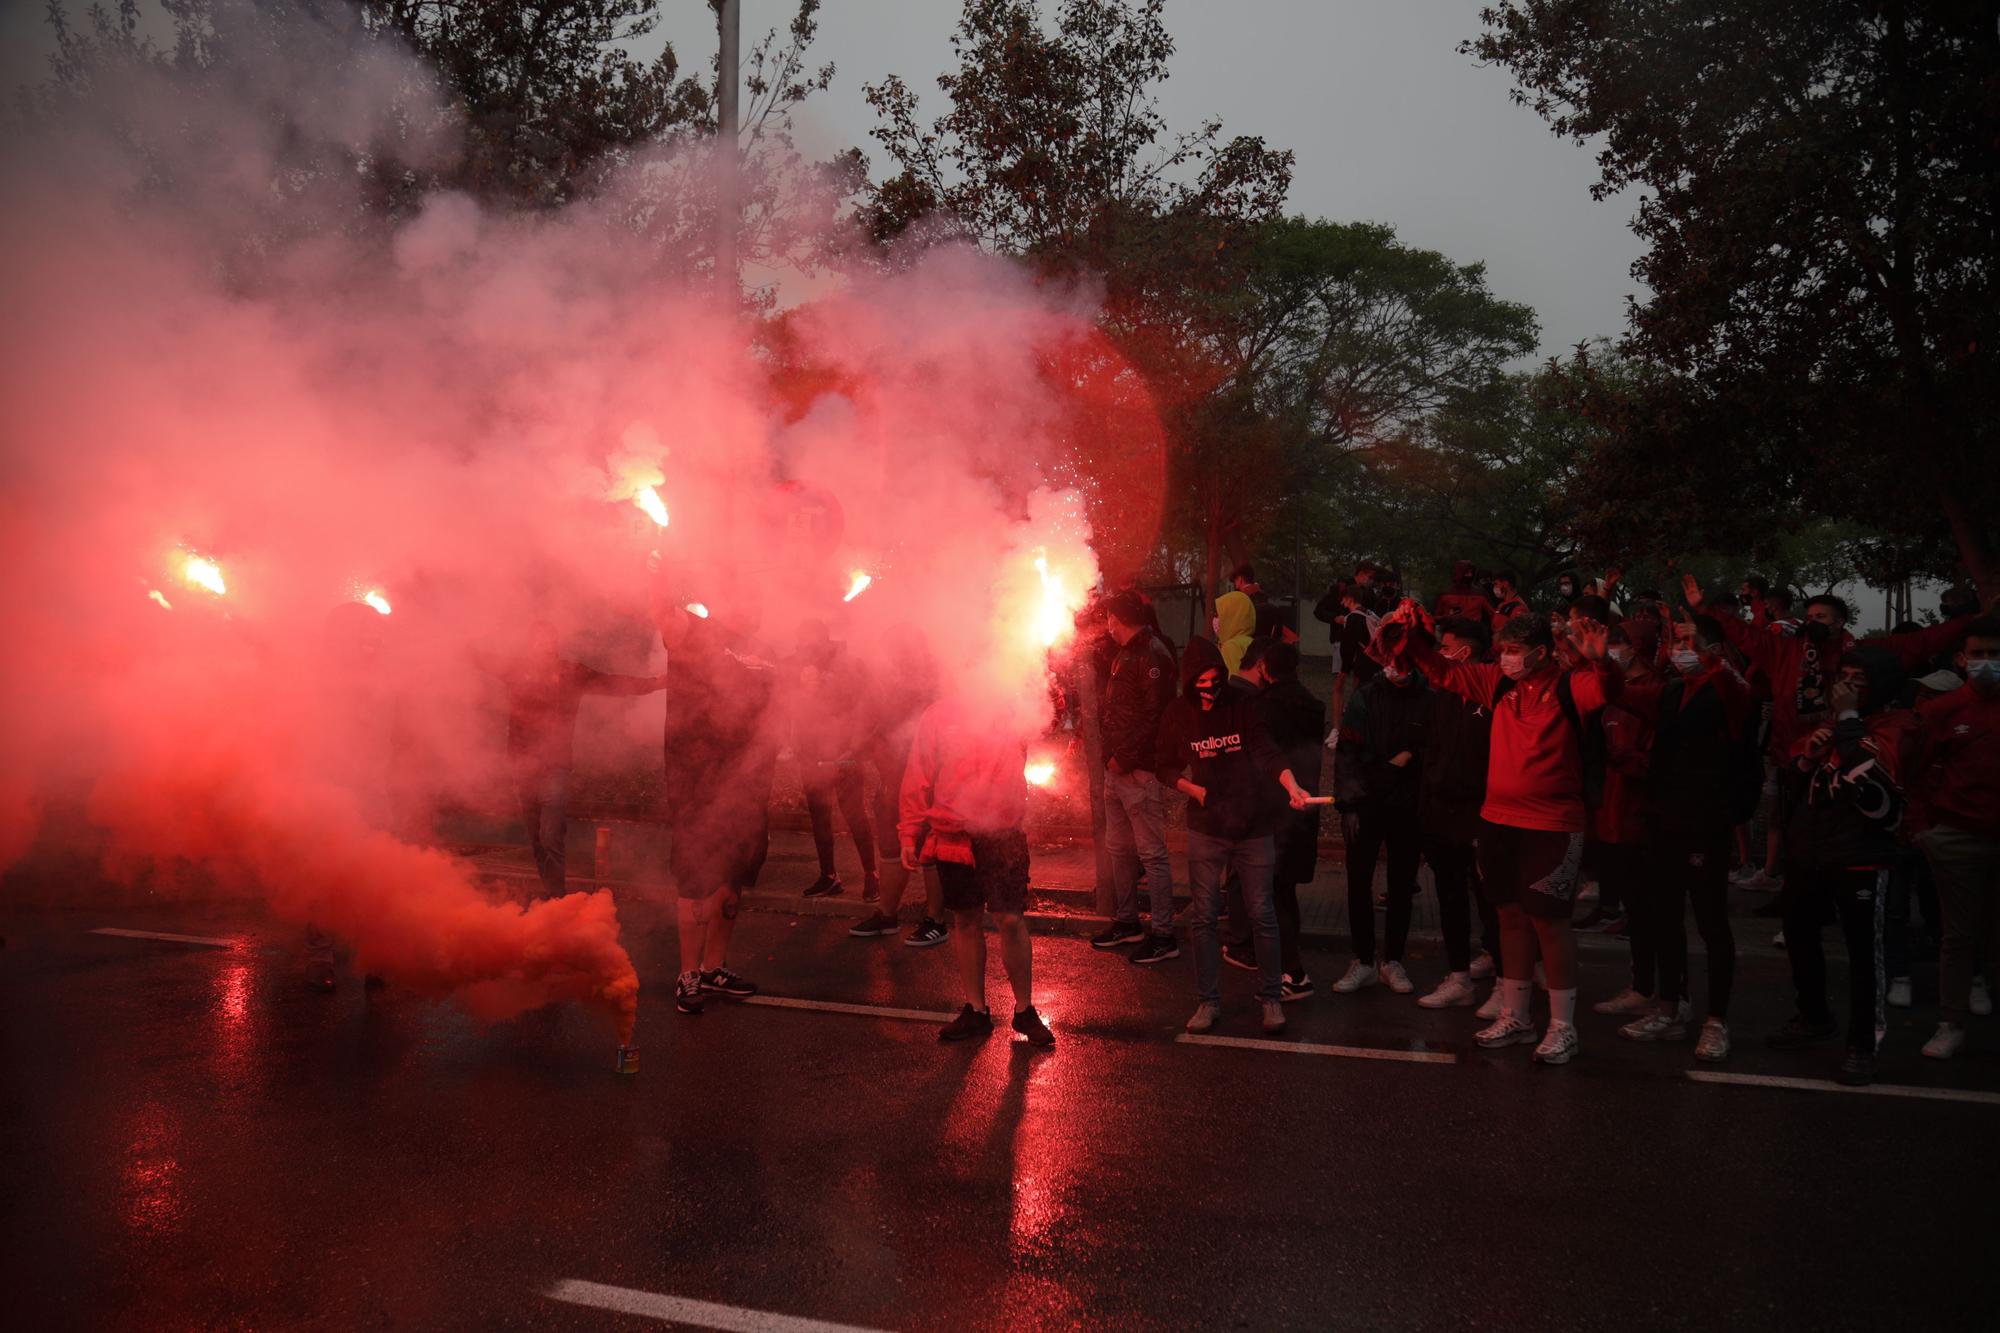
[[969, 1023], [826, 886], [1295, 988], [1358, 974], [1778, 940], [1118, 933], [1558, 1045], [1030, 1025], [1944, 1043], [1482, 966], [1240, 955], [1204, 1017], [1982, 999], [1454, 992], [1802, 1032], [687, 993], [1274, 1016], [1857, 1070], [1588, 892], [1713, 1048], [1742, 875], [721, 981], [927, 933], [871, 889], [873, 926], [1591, 921], [1620, 925], [1627, 1001], [1763, 883], [1397, 979], [1506, 1030], [1156, 949], [1899, 993], [1490, 1010], [1663, 1024]]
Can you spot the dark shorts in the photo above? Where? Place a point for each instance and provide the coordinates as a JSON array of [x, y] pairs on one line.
[[997, 880], [718, 845], [1535, 868]]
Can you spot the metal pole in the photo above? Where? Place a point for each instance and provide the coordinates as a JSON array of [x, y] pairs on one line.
[[729, 26]]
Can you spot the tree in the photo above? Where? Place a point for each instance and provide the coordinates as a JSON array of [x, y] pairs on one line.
[[1823, 217]]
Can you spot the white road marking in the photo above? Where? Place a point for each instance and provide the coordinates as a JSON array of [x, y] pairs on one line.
[[1318, 1048], [1827, 1085], [680, 1310], [169, 936], [866, 1010]]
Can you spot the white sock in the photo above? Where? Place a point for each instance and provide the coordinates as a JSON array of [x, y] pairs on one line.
[[1562, 1006], [1514, 998]]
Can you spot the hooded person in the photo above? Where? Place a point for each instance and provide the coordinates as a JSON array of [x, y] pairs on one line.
[[1138, 685], [1235, 627], [1214, 745], [1463, 600], [1377, 776]]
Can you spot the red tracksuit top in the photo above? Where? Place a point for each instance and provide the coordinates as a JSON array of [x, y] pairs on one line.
[[1959, 771]]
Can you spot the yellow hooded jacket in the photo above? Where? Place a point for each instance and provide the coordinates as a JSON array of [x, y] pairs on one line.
[[1235, 624]]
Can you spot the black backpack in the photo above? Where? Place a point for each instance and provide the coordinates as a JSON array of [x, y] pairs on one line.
[[1589, 738]]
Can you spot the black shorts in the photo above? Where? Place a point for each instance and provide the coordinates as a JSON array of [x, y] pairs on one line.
[[1536, 868], [997, 880]]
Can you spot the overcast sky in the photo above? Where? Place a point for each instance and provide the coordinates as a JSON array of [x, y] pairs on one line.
[[1390, 123]]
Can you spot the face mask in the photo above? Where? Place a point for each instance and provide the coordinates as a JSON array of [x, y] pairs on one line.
[[1621, 654], [1984, 671], [1567, 589], [1393, 676], [1462, 653], [1818, 631], [1513, 665], [1686, 661]]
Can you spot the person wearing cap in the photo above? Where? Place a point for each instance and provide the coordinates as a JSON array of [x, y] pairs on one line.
[[1137, 689]]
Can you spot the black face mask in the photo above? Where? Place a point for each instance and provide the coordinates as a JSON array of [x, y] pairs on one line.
[[1818, 631]]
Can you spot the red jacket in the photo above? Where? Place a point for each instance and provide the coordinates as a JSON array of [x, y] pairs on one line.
[[1782, 658], [1468, 605], [1958, 765], [1628, 745], [963, 777], [1534, 773]]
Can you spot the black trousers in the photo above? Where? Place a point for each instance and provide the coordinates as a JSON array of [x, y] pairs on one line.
[[1369, 834], [1679, 870], [1455, 867], [1858, 898], [826, 785]]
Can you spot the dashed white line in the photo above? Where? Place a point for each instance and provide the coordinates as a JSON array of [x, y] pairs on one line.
[[680, 1310], [865, 1010], [1319, 1048], [209, 940], [1825, 1085]]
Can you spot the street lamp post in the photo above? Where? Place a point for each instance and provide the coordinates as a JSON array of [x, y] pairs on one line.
[[729, 22]]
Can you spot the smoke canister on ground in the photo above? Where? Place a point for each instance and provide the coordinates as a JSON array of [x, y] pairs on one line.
[[628, 1059]]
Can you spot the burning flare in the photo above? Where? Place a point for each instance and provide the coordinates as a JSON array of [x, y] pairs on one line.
[[857, 585], [1039, 772], [374, 598], [649, 501], [160, 597], [1052, 617], [697, 610], [198, 571]]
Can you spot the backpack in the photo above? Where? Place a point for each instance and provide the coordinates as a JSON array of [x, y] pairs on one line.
[[1742, 761], [1589, 738]]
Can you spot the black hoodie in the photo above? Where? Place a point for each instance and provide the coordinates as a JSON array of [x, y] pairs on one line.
[[1224, 749]]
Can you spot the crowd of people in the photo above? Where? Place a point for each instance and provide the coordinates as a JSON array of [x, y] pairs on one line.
[[1647, 753]]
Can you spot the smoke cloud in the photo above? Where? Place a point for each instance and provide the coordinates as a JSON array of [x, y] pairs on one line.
[[242, 407]]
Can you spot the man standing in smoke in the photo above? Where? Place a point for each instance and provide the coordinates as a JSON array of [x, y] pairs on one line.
[[544, 692], [720, 758]]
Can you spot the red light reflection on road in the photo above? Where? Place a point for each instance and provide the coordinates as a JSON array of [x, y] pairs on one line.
[[154, 1202]]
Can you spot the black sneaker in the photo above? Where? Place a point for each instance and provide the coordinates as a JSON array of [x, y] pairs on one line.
[[1857, 1070], [927, 933], [1117, 933], [826, 886], [871, 889], [1290, 989], [1030, 1025], [687, 993], [1240, 955], [1156, 949], [722, 981], [969, 1023], [1802, 1032], [873, 926]]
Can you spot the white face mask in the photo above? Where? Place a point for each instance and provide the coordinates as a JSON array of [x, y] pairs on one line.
[[1686, 660], [1621, 654], [1984, 671], [1513, 665]]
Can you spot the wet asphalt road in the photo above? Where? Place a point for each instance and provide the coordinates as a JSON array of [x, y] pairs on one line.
[[194, 1140]]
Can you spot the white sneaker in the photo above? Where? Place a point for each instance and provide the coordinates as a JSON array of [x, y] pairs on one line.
[[1559, 1043], [1899, 993], [1982, 999], [1506, 1030], [1454, 992], [1714, 1044], [1763, 883], [1274, 1016], [1944, 1043], [1396, 979], [1482, 966], [1627, 1001], [1358, 974], [1490, 1010], [1778, 940], [1744, 874], [1205, 1015], [1663, 1024]]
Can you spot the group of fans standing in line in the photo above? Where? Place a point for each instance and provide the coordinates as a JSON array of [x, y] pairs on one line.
[[1515, 751]]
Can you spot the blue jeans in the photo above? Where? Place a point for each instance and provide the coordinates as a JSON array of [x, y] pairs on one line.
[[1135, 837], [1210, 861], [544, 796]]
